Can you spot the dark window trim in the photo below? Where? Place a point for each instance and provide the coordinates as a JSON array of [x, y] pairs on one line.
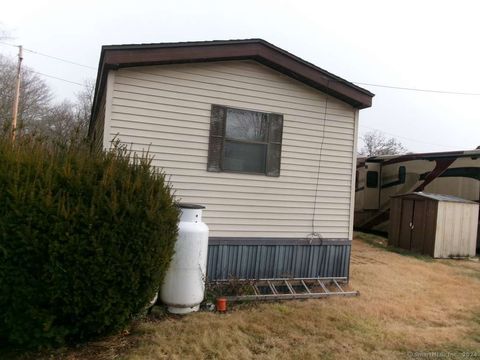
[[224, 138]]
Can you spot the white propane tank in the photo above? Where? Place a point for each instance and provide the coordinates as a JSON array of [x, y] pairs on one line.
[[184, 285]]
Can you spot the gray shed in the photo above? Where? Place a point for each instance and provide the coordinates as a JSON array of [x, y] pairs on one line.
[[441, 226]]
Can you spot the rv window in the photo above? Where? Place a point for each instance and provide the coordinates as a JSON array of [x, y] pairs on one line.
[[245, 141], [372, 179], [402, 174]]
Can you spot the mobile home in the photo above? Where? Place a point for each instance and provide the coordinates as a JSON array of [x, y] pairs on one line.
[[265, 140]]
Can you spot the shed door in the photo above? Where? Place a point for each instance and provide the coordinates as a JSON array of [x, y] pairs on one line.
[[412, 225], [372, 186], [418, 225], [406, 222]]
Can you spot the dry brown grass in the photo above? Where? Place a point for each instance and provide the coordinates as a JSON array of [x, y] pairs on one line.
[[406, 304]]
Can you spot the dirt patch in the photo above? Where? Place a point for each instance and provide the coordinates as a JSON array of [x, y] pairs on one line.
[[365, 259]]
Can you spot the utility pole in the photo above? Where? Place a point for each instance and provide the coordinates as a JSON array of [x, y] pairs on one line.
[[17, 93]]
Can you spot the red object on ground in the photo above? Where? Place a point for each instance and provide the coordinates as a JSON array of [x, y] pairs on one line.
[[221, 304]]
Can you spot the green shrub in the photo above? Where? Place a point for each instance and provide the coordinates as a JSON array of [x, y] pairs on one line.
[[85, 240]]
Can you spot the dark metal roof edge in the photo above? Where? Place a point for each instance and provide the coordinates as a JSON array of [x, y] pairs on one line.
[[181, 44], [233, 42]]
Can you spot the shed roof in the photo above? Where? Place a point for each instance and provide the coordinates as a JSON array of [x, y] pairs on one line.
[[436, 197], [118, 56]]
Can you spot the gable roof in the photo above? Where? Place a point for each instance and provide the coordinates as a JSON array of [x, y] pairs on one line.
[[119, 56]]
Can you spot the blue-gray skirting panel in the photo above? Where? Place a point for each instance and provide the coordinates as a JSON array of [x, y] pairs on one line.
[[278, 259]]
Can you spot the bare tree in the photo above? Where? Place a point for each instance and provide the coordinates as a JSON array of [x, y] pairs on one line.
[[376, 143], [83, 104], [35, 95], [57, 123], [67, 121], [60, 123]]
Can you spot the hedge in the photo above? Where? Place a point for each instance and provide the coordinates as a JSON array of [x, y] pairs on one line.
[[85, 240]]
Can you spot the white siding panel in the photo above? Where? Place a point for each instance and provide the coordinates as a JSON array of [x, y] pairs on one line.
[[327, 184], [150, 95], [196, 107], [166, 109], [287, 176], [252, 189], [176, 82], [456, 232]]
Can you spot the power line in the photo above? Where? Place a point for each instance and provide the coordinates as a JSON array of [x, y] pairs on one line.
[[60, 59], [57, 78], [51, 56], [406, 138], [420, 90], [7, 44]]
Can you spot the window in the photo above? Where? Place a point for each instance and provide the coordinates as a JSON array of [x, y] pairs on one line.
[[372, 179], [402, 174], [245, 141]]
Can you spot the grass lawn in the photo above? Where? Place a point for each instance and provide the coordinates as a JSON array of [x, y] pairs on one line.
[[407, 304]]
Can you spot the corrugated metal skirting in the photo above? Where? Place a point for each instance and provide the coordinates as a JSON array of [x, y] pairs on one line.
[[277, 261]]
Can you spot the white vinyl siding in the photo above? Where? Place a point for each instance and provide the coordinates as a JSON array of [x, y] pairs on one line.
[[167, 110]]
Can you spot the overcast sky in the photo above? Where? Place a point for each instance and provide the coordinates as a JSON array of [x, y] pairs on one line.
[[414, 44]]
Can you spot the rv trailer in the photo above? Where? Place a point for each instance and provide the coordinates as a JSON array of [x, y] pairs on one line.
[[378, 178]]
